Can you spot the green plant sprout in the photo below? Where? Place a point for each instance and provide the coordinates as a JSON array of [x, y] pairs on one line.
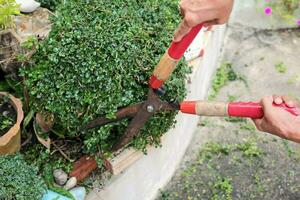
[[280, 67], [5, 123]]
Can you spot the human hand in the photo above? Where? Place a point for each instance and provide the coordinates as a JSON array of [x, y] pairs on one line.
[[197, 11], [278, 121]]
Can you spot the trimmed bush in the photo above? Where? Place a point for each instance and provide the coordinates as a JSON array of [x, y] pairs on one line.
[[98, 58], [50, 4], [19, 180]]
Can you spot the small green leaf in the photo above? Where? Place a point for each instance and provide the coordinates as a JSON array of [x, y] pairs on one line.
[[28, 118]]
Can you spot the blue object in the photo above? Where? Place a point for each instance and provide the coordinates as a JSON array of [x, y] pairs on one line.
[[78, 193], [50, 195]]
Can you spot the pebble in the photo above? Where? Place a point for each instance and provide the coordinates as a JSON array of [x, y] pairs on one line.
[[71, 183], [28, 6], [60, 176], [78, 193]]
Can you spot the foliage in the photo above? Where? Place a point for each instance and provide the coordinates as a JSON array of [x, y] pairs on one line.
[[235, 119], [6, 117], [50, 4], [280, 67], [6, 122], [224, 74], [250, 148], [63, 192], [19, 180], [285, 8], [222, 189], [7, 9], [97, 59], [30, 43], [247, 126], [46, 161]]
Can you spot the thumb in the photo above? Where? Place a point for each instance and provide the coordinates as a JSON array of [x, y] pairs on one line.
[[267, 104]]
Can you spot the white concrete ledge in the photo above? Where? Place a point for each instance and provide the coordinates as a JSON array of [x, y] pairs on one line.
[[143, 179]]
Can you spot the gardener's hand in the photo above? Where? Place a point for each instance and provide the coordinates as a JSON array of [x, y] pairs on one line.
[[278, 121], [197, 11]]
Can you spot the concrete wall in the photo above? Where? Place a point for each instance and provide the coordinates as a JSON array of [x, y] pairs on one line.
[[144, 178]]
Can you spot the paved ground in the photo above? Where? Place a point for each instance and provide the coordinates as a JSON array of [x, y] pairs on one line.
[[228, 158]]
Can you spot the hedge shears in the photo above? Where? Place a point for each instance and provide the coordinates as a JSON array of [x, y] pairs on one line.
[[141, 112]]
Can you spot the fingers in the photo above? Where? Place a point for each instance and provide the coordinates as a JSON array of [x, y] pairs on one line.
[[182, 30], [289, 101], [277, 99]]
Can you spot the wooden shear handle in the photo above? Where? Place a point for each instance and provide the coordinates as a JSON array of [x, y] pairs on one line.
[[168, 62]]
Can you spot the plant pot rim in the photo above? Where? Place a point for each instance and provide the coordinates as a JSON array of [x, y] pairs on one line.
[[17, 104]]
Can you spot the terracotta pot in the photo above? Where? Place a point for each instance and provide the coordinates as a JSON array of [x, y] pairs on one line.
[[10, 142]]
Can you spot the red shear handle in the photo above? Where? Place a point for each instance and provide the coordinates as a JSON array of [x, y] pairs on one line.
[[168, 62], [255, 110], [234, 109], [177, 49]]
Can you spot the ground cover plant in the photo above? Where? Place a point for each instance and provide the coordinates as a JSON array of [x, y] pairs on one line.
[[50, 4], [19, 180], [97, 59]]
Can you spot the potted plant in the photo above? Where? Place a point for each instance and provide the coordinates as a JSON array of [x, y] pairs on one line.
[[11, 116]]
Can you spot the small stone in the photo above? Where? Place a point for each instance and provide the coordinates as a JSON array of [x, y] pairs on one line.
[[60, 176], [28, 6], [71, 183], [78, 193]]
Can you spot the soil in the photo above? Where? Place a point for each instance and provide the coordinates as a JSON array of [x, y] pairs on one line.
[[8, 116]]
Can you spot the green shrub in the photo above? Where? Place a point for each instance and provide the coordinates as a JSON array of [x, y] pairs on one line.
[[7, 9], [18, 180], [50, 4], [98, 58]]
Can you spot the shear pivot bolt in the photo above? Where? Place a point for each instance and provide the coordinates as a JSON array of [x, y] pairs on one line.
[[150, 108]]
